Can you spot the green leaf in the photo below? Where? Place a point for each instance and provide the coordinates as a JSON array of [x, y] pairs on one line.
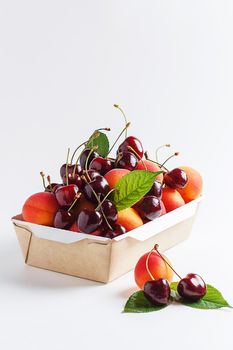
[[212, 300], [132, 187], [137, 303], [101, 140]]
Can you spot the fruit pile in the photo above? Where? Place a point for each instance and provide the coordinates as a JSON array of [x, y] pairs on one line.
[[106, 196]]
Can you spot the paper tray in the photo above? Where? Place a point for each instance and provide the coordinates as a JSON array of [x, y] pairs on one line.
[[98, 258]]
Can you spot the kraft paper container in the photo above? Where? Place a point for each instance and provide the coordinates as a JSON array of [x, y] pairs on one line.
[[98, 258]]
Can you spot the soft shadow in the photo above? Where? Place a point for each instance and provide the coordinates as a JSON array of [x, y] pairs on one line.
[[13, 271], [127, 292]]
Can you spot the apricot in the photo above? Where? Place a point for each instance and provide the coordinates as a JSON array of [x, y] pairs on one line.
[[114, 175], [157, 267], [148, 165], [129, 218], [193, 188], [171, 199], [40, 208]]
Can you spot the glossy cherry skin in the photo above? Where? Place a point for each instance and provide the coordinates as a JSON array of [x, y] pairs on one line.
[[65, 195], [110, 211], [157, 291], [100, 187], [134, 143], [83, 158], [91, 174], [149, 208], [63, 219], [70, 169], [117, 231], [73, 179], [101, 165], [126, 160], [89, 220], [176, 178], [192, 287], [53, 187], [156, 189]]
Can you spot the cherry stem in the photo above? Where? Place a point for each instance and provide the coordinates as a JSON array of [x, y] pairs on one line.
[[147, 265], [121, 110], [138, 156], [126, 127], [106, 129], [49, 181], [119, 157], [87, 159], [43, 180], [156, 248], [173, 155], [98, 200], [157, 149], [78, 195], [160, 165], [100, 204], [72, 157], [67, 160]]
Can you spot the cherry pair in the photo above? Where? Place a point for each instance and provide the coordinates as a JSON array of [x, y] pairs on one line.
[[191, 288]]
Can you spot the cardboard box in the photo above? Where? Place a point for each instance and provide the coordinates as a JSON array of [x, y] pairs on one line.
[[98, 258]]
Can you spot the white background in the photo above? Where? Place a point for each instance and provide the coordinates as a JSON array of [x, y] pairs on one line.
[[62, 66]]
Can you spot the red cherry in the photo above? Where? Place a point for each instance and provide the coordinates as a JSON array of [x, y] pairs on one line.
[[192, 287], [157, 291], [149, 207], [89, 220], [65, 195], [102, 165], [176, 178], [117, 230], [85, 155], [63, 219], [126, 160], [134, 143]]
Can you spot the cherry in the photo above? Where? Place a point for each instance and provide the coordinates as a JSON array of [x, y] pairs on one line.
[[65, 195], [176, 178], [192, 287], [156, 189], [98, 187], [71, 168], [102, 165], [132, 143], [157, 291], [63, 219], [117, 230], [126, 160], [89, 220], [149, 207], [52, 187], [110, 211], [91, 175], [86, 154], [73, 179]]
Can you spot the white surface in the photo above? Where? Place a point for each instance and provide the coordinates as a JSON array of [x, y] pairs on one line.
[[62, 66]]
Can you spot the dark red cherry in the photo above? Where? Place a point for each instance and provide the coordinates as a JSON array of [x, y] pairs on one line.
[[126, 160], [102, 165], [65, 195], [134, 143], [99, 186], [117, 230], [63, 219], [89, 220], [83, 158], [192, 287], [91, 174], [52, 187], [156, 189], [176, 178], [110, 211], [73, 179], [157, 291], [149, 208], [70, 169]]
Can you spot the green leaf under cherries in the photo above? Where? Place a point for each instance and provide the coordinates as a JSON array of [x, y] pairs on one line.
[[132, 187], [138, 303], [212, 300], [100, 140]]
